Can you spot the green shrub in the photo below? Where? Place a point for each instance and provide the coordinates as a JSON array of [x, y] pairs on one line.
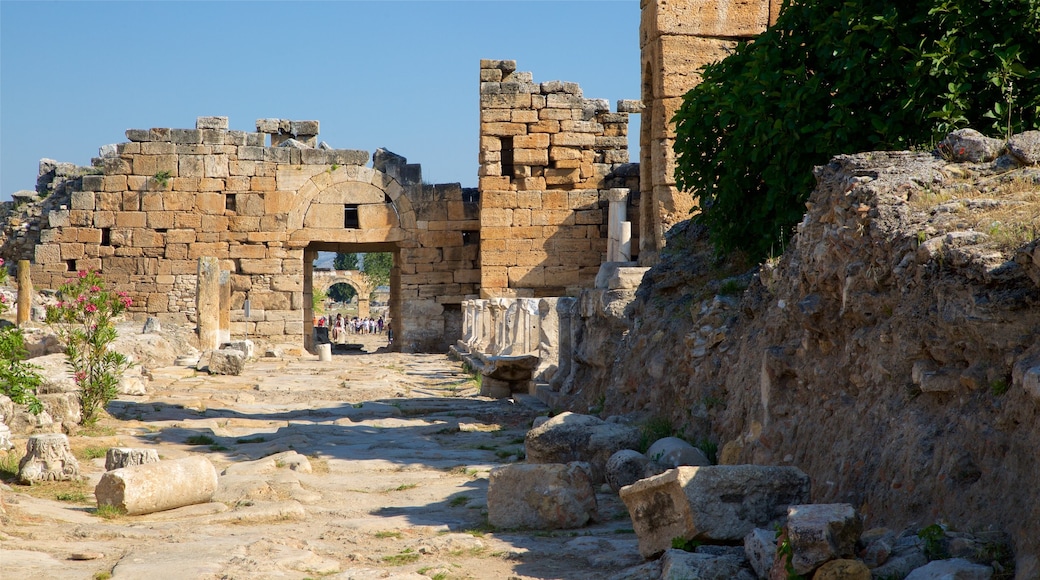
[[19, 380], [841, 77]]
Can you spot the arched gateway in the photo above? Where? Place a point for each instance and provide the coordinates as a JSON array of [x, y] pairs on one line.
[[171, 196], [323, 280]]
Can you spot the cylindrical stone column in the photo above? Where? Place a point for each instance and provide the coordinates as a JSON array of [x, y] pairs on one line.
[[625, 242], [154, 487], [25, 290], [617, 212], [325, 352], [207, 303], [225, 306]]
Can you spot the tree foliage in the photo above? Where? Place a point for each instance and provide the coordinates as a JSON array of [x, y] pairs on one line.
[[345, 261], [836, 76], [378, 266], [19, 380]]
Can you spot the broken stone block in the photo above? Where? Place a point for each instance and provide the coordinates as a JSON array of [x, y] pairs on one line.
[[625, 467], [505, 375], [48, 458], [970, 145], [712, 503], [151, 326], [541, 497], [223, 362], [245, 347], [843, 570], [119, 457], [1025, 147], [673, 452], [572, 437], [154, 487], [821, 532], [760, 549], [680, 565], [957, 569], [5, 436]]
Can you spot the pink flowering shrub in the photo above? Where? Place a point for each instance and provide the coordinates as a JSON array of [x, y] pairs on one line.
[[19, 380], [84, 322]]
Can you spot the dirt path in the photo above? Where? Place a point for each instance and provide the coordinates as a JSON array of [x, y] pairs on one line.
[[398, 446]]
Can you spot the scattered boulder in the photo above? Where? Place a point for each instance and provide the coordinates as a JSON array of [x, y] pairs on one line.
[[223, 362], [132, 385], [821, 532], [151, 326], [48, 458], [153, 487], [245, 347], [625, 467], [954, 569], [673, 452], [572, 437], [680, 565], [970, 145], [540, 496], [119, 457], [760, 549], [1025, 147], [63, 408], [906, 555], [713, 503]]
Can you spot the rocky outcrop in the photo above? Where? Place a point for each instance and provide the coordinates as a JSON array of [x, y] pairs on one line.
[[891, 352]]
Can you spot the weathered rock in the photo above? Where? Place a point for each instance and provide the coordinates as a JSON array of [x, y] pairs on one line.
[[245, 347], [625, 467], [154, 487], [954, 569], [132, 385], [5, 435], [760, 549], [288, 459], [1025, 147], [48, 458], [151, 326], [907, 554], [680, 565], [540, 496], [970, 145], [119, 457], [673, 452], [64, 408], [821, 532], [223, 362], [843, 570], [572, 437], [719, 502]]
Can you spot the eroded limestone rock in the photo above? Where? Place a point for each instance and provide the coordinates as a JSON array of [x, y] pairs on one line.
[[572, 437], [541, 497], [625, 467], [223, 362], [821, 532], [954, 569], [680, 565], [673, 452]]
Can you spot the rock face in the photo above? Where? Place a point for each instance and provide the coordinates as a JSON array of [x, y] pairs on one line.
[[48, 458], [572, 437], [680, 565], [542, 497], [904, 260], [714, 503], [954, 569], [153, 487]]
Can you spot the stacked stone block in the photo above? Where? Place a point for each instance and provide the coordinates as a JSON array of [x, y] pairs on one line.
[[676, 38], [547, 158], [168, 197]]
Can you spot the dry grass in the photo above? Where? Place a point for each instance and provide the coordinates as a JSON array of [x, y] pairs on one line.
[[1005, 207]]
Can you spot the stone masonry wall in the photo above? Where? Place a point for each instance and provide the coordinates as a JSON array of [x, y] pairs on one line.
[[548, 156], [170, 196], [676, 38]]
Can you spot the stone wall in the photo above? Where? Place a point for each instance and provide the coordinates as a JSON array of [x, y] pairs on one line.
[[676, 38], [548, 158], [168, 197]]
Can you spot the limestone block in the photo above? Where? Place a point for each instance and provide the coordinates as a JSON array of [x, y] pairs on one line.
[[673, 452], [377, 216], [760, 550], [503, 129], [223, 362], [681, 565], [48, 458], [821, 532], [535, 141], [572, 437], [246, 347], [530, 156], [119, 457], [153, 487], [541, 497], [571, 139], [843, 570], [720, 18], [956, 568], [687, 502], [625, 467], [219, 123], [972, 146]]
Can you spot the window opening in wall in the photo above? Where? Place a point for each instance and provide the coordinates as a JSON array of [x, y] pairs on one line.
[[350, 217], [70, 265], [470, 238], [106, 236], [229, 202], [507, 157]]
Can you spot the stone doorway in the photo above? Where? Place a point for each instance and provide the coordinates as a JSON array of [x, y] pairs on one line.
[[319, 280]]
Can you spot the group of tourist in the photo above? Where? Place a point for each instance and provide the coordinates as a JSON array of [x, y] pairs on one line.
[[341, 326]]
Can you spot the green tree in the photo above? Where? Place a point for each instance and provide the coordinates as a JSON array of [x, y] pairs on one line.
[[377, 266], [345, 261], [834, 76], [318, 301], [19, 380], [342, 292]]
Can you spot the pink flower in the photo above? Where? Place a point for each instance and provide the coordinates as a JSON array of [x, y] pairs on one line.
[[3, 299], [81, 298], [82, 273], [91, 308], [1, 261], [127, 302], [95, 289], [81, 376]]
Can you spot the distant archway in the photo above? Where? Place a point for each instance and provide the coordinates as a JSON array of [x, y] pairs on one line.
[[322, 280]]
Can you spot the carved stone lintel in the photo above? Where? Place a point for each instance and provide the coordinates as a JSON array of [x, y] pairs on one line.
[[118, 457]]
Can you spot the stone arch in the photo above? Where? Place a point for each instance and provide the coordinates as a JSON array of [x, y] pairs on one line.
[[354, 278]]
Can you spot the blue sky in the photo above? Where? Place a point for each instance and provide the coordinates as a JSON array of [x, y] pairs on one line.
[[394, 74]]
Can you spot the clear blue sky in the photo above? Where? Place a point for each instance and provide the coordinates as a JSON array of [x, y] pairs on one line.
[[400, 75]]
